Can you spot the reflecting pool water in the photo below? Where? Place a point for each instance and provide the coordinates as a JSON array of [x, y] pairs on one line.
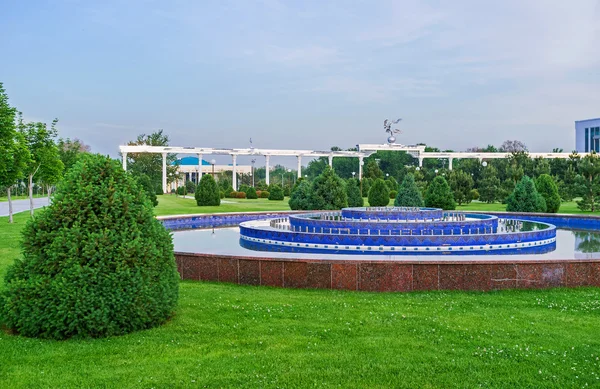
[[570, 244]]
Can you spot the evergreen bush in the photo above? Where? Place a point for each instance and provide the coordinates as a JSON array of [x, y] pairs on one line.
[[546, 186], [146, 184], [409, 194], [190, 186], [353, 192], [243, 188], [439, 195], [207, 192], [393, 194], [525, 198], [96, 262], [251, 193], [379, 194], [300, 197], [264, 194], [328, 191], [474, 194], [275, 192], [181, 191]]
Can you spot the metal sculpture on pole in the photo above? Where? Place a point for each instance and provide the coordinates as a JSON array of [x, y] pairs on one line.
[[387, 126]]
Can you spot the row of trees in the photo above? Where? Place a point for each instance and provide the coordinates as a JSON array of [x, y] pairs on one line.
[[31, 151]]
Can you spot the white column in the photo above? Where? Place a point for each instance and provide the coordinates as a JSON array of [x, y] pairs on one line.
[[125, 161], [234, 172], [360, 167], [450, 163], [164, 172], [267, 157], [331, 161], [421, 161], [299, 166], [199, 168]]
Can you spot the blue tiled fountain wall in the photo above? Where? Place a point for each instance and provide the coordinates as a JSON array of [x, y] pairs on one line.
[[392, 213], [483, 223], [397, 240]]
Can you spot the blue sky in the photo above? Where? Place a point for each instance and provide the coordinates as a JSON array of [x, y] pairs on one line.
[[305, 74]]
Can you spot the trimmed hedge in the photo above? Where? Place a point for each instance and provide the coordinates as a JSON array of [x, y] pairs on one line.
[[96, 262]]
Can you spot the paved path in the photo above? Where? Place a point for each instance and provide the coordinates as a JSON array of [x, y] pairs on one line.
[[22, 205]]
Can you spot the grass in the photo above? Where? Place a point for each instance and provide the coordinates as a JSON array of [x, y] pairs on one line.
[[227, 335]]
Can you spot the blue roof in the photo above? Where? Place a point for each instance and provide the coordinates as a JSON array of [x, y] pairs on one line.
[[191, 161]]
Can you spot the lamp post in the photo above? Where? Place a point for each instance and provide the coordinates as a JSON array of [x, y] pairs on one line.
[[289, 171], [353, 174], [252, 171], [212, 162], [436, 172]]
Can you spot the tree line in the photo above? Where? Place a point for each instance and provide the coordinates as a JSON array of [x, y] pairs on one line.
[[31, 154]]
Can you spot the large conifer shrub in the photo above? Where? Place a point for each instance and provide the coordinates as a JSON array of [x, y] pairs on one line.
[[439, 194], [328, 191], [546, 186], [95, 262], [525, 198], [353, 192]]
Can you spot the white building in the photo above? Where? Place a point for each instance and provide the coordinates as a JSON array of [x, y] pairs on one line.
[[587, 135]]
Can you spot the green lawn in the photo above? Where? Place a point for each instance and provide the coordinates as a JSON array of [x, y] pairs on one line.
[[241, 336]]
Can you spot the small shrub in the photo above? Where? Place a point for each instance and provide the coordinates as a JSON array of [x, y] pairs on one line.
[[232, 194], [275, 192], [379, 194], [264, 194], [207, 192], [95, 263], [251, 193], [222, 194], [393, 194], [181, 191], [240, 195], [474, 194], [190, 186]]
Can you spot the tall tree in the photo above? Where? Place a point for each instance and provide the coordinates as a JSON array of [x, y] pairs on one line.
[[461, 184], [14, 154], [45, 160], [151, 164], [489, 186], [70, 150]]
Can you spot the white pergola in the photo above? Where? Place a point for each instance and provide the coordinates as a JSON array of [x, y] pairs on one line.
[[234, 153], [364, 150]]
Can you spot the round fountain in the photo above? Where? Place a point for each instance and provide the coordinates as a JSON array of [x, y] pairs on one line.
[[398, 231]]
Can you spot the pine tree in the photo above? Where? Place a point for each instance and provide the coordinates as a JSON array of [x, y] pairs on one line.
[[207, 193], [489, 186], [546, 186], [251, 193], [439, 195], [353, 192], [525, 198], [379, 194], [409, 194]]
